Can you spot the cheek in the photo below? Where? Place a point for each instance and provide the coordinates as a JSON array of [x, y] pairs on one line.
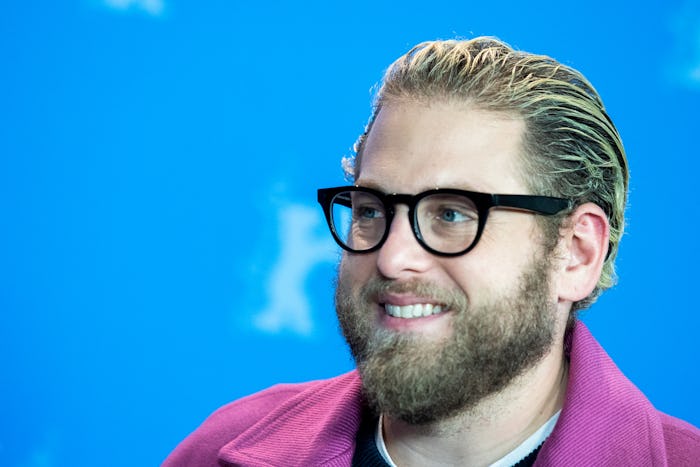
[[486, 271], [509, 243], [356, 270]]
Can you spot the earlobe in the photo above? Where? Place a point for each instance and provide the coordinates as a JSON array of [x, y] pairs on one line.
[[586, 242]]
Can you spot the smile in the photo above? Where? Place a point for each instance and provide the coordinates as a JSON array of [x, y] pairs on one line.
[[417, 310]]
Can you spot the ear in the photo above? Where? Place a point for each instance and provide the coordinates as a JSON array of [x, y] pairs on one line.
[[585, 247]]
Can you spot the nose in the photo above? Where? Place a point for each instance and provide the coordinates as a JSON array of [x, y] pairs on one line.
[[401, 256]]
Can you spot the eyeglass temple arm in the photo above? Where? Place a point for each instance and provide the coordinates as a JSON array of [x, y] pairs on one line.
[[547, 205]]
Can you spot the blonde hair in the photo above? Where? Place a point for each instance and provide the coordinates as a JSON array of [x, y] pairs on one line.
[[571, 147]]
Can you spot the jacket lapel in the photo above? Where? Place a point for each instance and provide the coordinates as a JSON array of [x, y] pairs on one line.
[[315, 427]]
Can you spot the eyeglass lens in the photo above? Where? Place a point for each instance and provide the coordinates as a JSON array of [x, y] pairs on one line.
[[446, 223]]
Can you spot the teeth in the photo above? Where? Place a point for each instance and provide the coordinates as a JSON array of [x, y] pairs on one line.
[[412, 311]]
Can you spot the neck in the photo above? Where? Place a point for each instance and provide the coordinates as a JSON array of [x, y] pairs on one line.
[[487, 432]]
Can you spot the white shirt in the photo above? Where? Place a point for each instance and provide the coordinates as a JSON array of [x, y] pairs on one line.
[[510, 459]]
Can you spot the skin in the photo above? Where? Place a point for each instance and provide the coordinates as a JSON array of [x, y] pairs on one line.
[[413, 147]]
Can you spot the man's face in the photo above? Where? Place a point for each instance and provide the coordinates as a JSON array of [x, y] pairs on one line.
[[493, 310]]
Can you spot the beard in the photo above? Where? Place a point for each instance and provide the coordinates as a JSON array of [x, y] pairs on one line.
[[421, 379]]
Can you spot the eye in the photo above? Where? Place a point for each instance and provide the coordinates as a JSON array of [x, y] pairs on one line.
[[366, 207], [368, 212], [454, 215], [447, 212]]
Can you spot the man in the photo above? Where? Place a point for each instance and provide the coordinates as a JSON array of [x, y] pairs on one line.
[[487, 209]]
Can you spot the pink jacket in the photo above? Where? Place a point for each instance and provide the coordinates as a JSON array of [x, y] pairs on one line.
[[605, 421]]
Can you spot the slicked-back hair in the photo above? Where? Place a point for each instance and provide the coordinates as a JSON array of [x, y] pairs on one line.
[[571, 148]]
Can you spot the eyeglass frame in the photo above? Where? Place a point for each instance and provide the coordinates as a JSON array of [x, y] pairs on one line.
[[537, 204]]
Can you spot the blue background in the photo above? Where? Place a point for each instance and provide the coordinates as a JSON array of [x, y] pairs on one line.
[[161, 252]]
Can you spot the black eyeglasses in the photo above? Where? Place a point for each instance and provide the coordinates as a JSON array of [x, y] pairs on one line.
[[445, 221]]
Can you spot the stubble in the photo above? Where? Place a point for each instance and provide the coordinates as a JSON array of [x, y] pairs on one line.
[[422, 380]]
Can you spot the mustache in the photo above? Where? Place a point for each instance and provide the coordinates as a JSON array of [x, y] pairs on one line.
[[376, 287]]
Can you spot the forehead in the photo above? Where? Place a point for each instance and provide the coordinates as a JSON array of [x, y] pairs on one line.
[[415, 146]]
